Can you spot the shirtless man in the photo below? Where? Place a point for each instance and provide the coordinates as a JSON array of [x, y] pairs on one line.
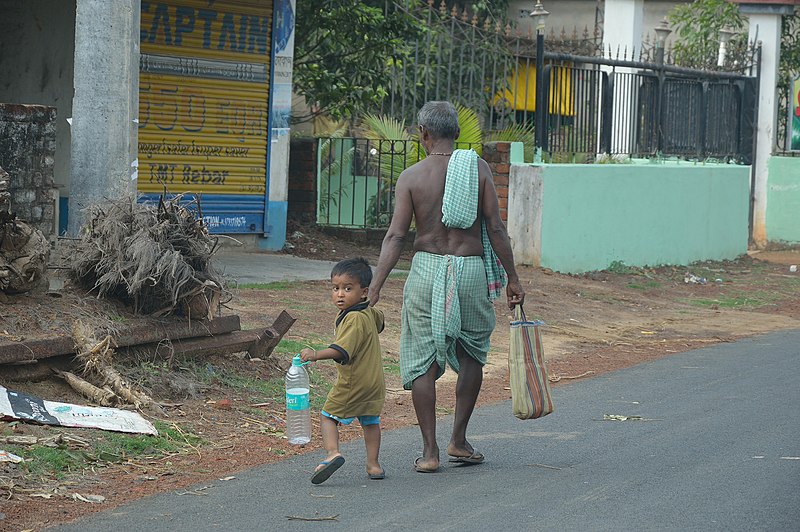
[[443, 252]]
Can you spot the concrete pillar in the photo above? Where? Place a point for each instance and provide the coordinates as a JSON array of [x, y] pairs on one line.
[[105, 105], [622, 33], [765, 27], [279, 112], [622, 25]]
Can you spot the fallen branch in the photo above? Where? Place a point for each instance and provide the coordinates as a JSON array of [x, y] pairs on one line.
[[556, 378], [101, 396], [544, 466], [50, 441], [300, 518]]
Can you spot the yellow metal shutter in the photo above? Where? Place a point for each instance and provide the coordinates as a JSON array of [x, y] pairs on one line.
[[203, 97]]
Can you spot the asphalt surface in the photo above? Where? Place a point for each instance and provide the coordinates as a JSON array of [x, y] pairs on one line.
[[251, 267], [718, 448]]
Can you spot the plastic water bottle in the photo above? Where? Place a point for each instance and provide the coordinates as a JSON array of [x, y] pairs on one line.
[[298, 408]]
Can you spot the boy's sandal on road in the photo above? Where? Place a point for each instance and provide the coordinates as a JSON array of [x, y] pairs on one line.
[[328, 468], [419, 468], [474, 458], [377, 476]]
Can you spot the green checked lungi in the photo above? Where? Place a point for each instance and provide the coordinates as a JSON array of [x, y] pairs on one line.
[[445, 300]]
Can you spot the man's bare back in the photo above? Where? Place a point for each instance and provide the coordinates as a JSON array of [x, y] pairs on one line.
[[424, 182]]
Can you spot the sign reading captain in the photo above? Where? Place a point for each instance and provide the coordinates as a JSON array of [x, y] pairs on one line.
[[232, 32]]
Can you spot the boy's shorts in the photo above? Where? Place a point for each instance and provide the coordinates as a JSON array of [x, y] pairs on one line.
[[364, 420]]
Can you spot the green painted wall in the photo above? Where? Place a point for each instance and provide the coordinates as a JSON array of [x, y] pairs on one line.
[[342, 198], [642, 214], [783, 200]]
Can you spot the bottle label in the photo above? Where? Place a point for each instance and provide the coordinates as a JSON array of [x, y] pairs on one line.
[[297, 401]]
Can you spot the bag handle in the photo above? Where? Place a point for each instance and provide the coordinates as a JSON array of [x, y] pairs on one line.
[[519, 313]]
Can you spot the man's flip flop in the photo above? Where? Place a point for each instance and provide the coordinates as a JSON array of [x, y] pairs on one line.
[[474, 458], [420, 469], [328, 468]]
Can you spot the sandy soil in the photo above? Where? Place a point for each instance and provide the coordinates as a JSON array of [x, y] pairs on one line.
[[596, 323]]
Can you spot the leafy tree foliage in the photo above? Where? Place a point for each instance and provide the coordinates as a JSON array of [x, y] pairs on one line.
[[343, 49], [698, 27], [789, 66]]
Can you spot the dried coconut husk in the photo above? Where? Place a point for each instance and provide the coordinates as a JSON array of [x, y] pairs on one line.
[[156, 259]]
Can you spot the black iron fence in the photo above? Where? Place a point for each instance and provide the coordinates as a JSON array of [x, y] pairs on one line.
[[357, 177], [642, 109], [483, 64]]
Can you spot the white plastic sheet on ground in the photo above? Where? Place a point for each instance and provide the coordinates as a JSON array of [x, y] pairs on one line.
[[17, 405]]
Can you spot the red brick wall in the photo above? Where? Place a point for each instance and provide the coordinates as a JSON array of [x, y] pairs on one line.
[[498, 155]]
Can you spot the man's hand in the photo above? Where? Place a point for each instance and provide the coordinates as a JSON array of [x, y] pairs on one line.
[[515, 294], [373, 295], [308, 355]]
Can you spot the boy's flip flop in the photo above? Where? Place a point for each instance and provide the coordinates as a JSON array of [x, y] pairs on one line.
[[328, 468], [474, 458], [377, 476]]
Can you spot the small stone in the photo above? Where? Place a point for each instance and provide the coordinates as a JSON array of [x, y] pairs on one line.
[[223, 404]]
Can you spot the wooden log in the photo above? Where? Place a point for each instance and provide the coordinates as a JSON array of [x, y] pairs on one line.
[[270, 336], [11, 352]]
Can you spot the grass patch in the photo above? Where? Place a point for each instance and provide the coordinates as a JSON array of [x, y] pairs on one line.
[[294, 305], [320, 386], [40, 460], [275, 286], [108, 447], [647, 285], [753, 300], [213, 375], [391, 367], [293, 347], [171, 438], [593, 296], [398, 275], [619, 267]]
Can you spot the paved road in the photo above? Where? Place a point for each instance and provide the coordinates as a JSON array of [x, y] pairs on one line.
[[719, 451], [249, 267]]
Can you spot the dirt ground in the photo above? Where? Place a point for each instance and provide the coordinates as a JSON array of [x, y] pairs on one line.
[[596, 323]]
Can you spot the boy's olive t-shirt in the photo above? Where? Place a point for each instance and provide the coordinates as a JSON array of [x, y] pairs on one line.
[[360, 389]]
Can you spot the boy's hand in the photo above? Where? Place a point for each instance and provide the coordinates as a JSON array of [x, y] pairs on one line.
[[308, 355]]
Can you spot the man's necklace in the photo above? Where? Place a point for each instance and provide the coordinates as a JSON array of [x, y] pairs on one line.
[[441, 153]]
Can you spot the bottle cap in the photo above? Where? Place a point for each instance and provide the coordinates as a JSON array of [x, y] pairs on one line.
[[297, 361]]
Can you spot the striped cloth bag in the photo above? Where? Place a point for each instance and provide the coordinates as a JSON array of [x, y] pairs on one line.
[[530, 386]]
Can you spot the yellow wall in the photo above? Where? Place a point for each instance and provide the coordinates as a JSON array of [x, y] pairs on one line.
[[521, 94]]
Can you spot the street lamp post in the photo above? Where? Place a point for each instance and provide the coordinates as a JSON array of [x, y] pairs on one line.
[[662, 32], [539, 15], [725, 35]]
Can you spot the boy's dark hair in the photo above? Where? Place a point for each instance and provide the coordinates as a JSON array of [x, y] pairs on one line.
[[357, 268]]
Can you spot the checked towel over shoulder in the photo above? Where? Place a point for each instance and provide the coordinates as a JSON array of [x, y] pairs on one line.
[[530, 386], [460, 208]]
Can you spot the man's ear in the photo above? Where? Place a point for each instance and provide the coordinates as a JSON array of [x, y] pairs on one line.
[[458, 132]]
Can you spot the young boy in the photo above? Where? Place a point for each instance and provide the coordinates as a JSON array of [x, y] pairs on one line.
[[360, 389]]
